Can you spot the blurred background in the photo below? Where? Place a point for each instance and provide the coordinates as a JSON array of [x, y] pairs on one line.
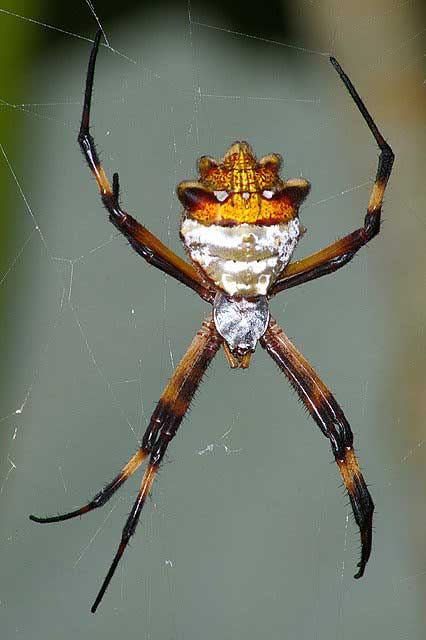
[[248, 532]]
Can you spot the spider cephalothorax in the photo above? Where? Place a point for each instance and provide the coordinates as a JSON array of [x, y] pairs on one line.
[[239, 228], [239, 189]]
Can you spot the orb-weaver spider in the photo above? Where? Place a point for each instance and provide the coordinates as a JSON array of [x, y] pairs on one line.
[[239, 228]]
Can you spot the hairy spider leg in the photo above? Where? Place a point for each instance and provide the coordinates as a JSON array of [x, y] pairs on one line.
[[105, 494], [341, 252], [142, 241], [163, 425], [331, 420]]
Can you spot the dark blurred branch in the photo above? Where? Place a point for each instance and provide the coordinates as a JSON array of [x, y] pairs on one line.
[[271, 21]]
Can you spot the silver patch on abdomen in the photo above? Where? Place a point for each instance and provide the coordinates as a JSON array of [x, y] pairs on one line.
[[243, 260], [241, 322]]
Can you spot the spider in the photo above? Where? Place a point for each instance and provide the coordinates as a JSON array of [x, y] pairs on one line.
[[239, 228]]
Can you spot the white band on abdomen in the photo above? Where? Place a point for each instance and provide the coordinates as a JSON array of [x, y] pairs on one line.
[[243, 260]]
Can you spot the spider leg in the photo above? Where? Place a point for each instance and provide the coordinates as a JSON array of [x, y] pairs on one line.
[[331, 420], [142, 241], [341, 252], [104, 495], [116, 186], [164, 424]]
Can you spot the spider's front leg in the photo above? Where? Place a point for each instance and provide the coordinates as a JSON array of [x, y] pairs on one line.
[[341, 252], [142, 241], [331, 420]]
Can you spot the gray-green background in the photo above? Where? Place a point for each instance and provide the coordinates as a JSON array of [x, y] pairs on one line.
[[248, 533]]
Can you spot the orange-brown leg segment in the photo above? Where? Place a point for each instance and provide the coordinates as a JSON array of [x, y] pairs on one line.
[[331, 420], [339, 253], [142, 241]]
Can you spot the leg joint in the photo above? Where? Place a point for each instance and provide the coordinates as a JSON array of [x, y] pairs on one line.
[[386, 160], [341, 438], [371, 224]]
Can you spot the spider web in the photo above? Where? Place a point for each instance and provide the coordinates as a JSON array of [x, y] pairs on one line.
[[247, 533]]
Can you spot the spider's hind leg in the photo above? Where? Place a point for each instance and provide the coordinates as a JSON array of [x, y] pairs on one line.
[[102, 496], [331, 420], [162, 428], [163, 425]]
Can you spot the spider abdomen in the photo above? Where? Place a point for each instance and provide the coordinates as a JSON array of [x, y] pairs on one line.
[[242, 260], [241, 321]]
